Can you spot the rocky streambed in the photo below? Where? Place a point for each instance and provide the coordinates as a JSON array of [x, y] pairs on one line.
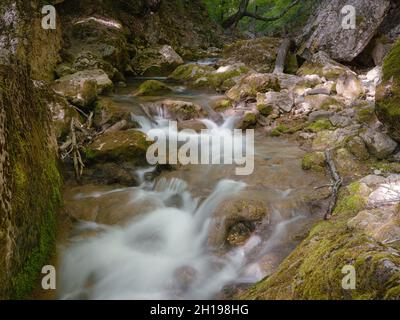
[[200, 231]]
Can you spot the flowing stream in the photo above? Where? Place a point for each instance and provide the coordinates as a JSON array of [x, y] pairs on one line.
[[157, 240]]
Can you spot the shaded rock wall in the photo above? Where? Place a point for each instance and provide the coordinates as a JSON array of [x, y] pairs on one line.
[[29, 178]]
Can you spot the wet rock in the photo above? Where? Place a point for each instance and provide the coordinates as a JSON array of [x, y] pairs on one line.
[[322, 65], [252, 84], [324, 29], [120, 146], [156, 60], [378, 143], [107, 114], [152, 87], [182, 110], [194, 124], [236, 219], [349, 86], [358, 148], [111, 173], [258, 54], [86, 60], [82, 88], [222, 105]]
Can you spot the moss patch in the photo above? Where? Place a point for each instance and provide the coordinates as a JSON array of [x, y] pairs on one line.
[[320, 125], [151, 87]]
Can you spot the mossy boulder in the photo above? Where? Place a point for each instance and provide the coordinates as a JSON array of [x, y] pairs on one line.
[[190, 72], [156, 60], [388, 93], [314, 161], [182, 110], [222, 105], [252, 84], [313, 271], [258, 54], [249, 121], [105, 39], [322, 65], [82, 88], [152, 87], [121, 146], [236, 219], [358, 148]]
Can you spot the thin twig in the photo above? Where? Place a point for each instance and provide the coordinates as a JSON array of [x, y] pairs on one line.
[[337, 183]]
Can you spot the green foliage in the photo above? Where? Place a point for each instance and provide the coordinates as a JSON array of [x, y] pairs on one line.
[[219, 10]]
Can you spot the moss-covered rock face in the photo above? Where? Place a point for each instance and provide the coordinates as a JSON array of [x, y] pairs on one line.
[[388, 93], [258, 54], [30, 182], [314, 269], [152, 87]]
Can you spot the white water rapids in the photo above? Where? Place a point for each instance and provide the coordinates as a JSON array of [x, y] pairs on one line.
[[162, 254]]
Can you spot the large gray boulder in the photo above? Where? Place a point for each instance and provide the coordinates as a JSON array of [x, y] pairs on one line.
[[324, 29]]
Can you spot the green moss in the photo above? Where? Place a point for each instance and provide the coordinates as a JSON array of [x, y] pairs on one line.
[[279, 130], [35, 180], [222, 105], [366, 115], [353, 202], [314, 161], [264, 109], [249, 121], [190, 72], [284, 129], [151, 87], [391, 65], [320, 125], [313, 269]]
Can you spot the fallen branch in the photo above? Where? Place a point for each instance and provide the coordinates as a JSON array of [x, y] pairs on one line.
[[337, 183], [281, 57]]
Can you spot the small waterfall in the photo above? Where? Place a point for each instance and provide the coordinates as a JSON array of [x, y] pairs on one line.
[[161, 255]]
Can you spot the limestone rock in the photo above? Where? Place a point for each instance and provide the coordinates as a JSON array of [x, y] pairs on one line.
[[252, 84], [156, 60], [378, 143], [324, 29], [350, 87]]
